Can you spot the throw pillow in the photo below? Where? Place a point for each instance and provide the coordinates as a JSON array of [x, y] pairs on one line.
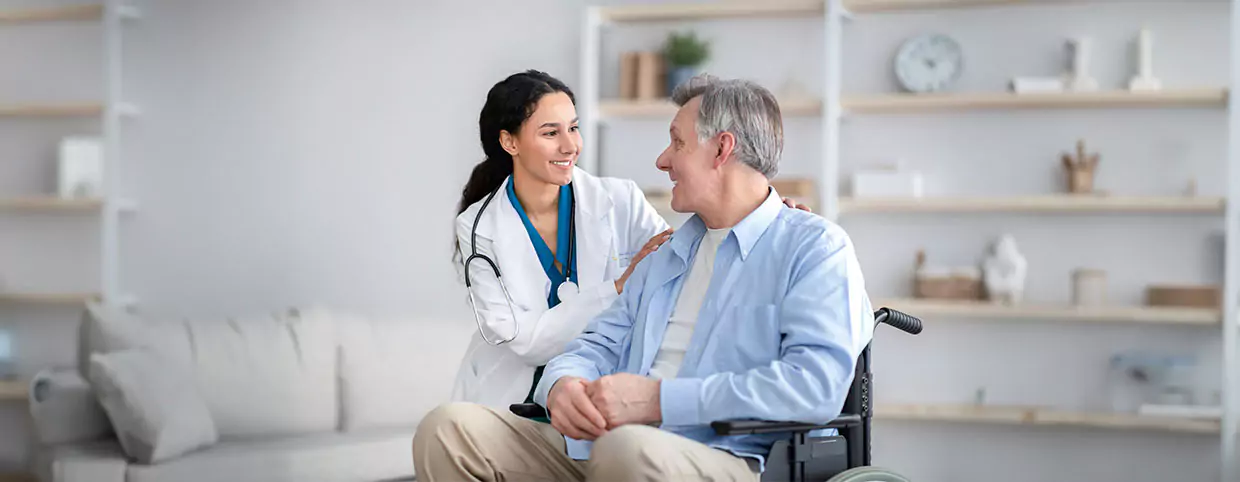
[[155, 408]]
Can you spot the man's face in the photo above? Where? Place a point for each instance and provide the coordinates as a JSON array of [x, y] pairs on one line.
[[691, 165]]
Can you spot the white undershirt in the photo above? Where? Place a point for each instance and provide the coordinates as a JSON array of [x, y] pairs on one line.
[[688, 303]]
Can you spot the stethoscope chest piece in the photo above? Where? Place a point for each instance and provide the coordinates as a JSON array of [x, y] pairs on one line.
[[567, 291]]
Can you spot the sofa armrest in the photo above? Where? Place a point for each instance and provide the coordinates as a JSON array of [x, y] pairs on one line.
[[64, 408]]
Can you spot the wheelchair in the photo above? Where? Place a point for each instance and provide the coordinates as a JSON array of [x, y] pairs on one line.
[[803, 458]]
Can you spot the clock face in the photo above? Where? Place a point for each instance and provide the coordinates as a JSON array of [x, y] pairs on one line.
[[928, 63]]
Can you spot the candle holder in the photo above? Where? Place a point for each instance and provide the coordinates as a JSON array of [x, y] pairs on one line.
[[1144, 79]]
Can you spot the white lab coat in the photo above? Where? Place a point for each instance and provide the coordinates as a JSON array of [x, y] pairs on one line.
[[614, 221]]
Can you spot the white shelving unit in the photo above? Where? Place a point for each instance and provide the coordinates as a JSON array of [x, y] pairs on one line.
[[839, 104], [834, 106], [110, 111]]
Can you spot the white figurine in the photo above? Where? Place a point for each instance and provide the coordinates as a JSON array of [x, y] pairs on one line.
[[1144, 79], [1004, 272], [1078, 78]]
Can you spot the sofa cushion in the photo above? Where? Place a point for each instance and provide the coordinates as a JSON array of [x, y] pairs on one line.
[[153, 404], [374, 455], [100, 461], [393, 371], [259, 375]]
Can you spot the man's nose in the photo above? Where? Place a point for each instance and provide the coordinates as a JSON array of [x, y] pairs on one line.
[[662, 162]]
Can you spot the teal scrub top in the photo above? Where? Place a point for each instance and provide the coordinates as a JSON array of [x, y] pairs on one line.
[[546, 257]]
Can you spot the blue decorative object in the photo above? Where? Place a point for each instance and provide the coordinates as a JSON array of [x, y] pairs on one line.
[[6, 354], [678, 75]]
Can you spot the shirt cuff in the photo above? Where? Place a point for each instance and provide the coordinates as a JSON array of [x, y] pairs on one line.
[[679, 401]]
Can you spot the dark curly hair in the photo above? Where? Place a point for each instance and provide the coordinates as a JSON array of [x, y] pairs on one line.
[[509, 103]]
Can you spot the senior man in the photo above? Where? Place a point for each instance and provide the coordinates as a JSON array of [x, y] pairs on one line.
[[752, 310]]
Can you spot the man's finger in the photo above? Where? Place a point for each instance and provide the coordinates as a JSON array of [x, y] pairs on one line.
[[560, 421], [591, 419], [581, 426]]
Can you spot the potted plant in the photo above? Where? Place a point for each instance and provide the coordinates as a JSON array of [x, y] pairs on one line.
[[684, 53]]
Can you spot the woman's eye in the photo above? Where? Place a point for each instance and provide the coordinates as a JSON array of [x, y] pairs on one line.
[[550, 133], [575, 128]]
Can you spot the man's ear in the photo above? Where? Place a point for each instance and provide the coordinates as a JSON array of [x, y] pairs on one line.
[[508, 142], [727, 144]]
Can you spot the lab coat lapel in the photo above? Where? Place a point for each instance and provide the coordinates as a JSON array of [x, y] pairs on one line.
[[515, 254], [594, 232]]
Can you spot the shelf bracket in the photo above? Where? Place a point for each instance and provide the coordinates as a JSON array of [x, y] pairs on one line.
[[126, 206], [126, 109], [129, 12]]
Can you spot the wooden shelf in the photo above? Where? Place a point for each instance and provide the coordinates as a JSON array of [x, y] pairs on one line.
[[51, 110], [1015, 415], [49, 204], [717, 10], [53, 14], [1112, 314], [1045, 204], [896, 103], [666, 109], [49, 298], [13, 390]]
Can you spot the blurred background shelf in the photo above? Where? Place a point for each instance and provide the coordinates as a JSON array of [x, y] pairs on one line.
[[664, 108], [897, 103], [52, 14], [13, 390], [1038, 416], [706, 11], [51, 110], [48, 298], [49, 204], [1048, 204], [1111, 314]]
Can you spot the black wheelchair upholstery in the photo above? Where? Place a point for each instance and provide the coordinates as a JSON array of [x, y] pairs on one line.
[[802, 457]]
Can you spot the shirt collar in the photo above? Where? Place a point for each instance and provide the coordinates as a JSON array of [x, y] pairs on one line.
[[747, 232]]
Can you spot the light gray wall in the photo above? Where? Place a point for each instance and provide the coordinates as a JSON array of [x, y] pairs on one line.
[[312, 152]]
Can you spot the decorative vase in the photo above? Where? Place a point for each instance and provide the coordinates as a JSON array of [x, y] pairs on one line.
[[649, 69], [679, 75]]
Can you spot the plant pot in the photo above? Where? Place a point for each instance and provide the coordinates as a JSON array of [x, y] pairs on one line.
[[678, 75]]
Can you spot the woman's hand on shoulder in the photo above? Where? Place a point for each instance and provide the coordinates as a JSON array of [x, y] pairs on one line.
[[650, 247], [792, 203]]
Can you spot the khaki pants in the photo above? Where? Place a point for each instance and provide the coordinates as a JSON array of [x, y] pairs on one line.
[[468, 442]]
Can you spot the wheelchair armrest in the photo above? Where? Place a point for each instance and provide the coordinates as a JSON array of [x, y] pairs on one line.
[[744, 427], [527, 410]]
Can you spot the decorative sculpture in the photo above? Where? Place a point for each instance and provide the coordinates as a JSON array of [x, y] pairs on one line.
[[1004, 272]]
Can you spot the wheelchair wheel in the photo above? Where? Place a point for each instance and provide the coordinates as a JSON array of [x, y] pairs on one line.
[[868, 474]]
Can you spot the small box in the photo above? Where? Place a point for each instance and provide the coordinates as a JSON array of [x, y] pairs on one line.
[[886, 183], [1192, 296], [80, 173]]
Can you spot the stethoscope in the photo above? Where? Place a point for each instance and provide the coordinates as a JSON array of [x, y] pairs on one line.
[[567, 288]]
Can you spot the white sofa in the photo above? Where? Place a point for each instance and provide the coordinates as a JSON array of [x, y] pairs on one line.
[[305, 396]]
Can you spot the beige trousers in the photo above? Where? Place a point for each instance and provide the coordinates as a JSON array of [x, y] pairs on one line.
[[469, 442]]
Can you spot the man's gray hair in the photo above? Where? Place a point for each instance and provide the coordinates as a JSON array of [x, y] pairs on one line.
[[743, 108]]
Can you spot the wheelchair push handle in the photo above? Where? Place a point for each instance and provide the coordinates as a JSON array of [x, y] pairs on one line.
[[903, 321]]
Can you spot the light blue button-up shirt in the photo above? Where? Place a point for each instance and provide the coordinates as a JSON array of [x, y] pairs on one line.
[[777, 337]]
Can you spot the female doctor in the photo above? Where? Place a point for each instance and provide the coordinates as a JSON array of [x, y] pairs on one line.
[[543, 245]]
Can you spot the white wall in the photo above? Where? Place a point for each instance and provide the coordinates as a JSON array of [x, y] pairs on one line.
[[293, 152]]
